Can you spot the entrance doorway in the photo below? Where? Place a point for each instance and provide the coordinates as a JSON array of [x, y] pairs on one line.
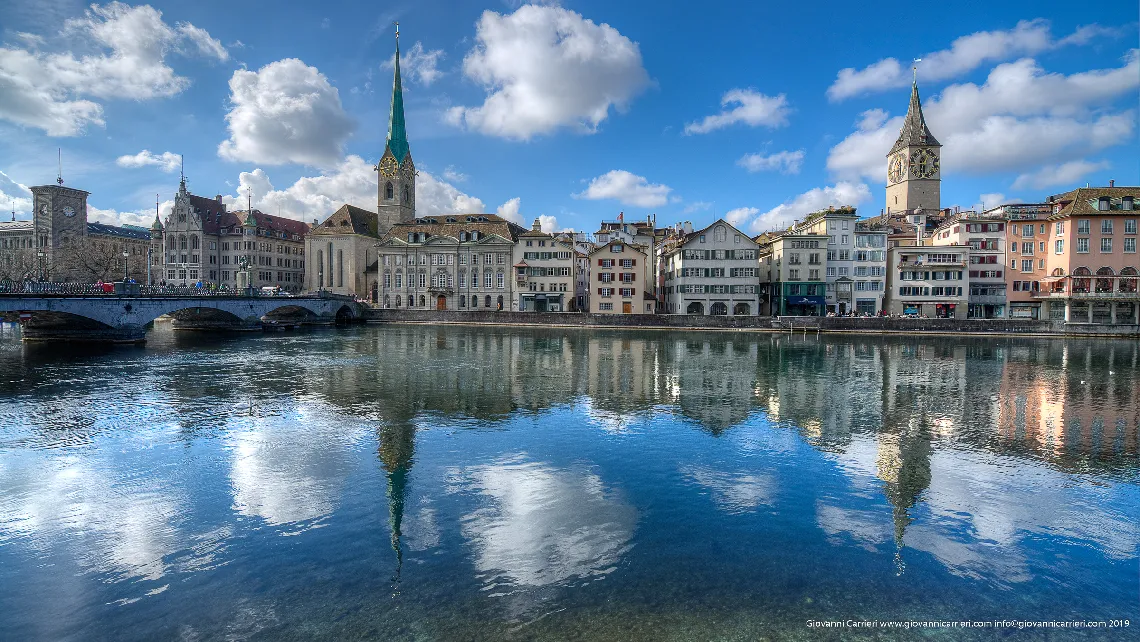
[[695, 308], [441, 302], [627, 308], [540, 305]]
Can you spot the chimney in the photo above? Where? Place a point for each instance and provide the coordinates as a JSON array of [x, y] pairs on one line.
[[218, 198], [315, 223], [536, 226], [1111, 183]]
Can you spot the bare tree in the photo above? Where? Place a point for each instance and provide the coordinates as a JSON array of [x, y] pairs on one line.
[[98, 259]]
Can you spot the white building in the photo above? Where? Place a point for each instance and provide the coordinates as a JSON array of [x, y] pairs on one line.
[[711, 271], [986, 238], [856, 259], [545, 272], [928, 281]]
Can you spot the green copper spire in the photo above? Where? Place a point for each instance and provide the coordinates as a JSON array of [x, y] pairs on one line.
[[397, 134]]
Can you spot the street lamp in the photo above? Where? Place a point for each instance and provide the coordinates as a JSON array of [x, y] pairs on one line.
[[148, 266], [126, 254], [40, 263]]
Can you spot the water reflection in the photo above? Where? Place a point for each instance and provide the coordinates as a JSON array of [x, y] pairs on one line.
[[539, 525]]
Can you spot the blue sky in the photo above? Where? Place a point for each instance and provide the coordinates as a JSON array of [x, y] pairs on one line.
[[572, 112]]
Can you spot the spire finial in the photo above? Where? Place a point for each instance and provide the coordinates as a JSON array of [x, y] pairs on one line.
[[397, 33], [249, 198], [914, 67], [59, 172]]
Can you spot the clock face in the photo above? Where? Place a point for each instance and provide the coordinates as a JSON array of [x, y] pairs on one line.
[[895, 169], [388, 167], [923, 164], [68, 211], [409, 169]]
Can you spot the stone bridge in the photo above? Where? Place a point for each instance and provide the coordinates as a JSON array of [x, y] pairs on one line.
[[123, 319]]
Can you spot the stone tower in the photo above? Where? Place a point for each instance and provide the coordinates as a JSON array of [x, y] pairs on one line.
[[913, 173], [59, 216], [157, 258], [396, 189]]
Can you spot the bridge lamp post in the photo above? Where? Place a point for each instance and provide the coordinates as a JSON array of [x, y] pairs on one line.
[[126, 254], [148, 266], [40, 264]]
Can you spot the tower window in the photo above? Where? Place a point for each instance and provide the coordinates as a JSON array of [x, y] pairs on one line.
[[407, 195], [388, 191]]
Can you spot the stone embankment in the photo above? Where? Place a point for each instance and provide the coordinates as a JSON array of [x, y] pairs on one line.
[[872, 325]]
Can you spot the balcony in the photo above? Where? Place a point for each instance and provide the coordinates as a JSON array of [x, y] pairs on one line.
[[1089, 296]]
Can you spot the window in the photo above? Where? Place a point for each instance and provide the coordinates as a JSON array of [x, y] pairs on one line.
[[1106, 245], [1130, 245], [1083, 226], [606, 307], [499, 283], [1102, 204], [388, 191], [1027, 231], [1082, 245], [1130, 225], [487, 281], [702, 238], [1059, 246], [1106, 226], [1059, 228]]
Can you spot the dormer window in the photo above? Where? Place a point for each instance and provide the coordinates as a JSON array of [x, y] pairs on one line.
[[462, 236], [1126, 203], [411, 237], [1102, 204]]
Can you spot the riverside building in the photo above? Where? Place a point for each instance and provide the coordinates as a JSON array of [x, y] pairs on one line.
[[711, 271], [856, 259], [620, 279], [928, 281], [546, 272], [985, 234], [792, 269]]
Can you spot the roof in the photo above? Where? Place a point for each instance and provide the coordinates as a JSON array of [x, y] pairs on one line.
[[266, 222], [450, 225], [914, 130], [15, 226], [132, 232], [635, 246], [1084, 201], [349, 219], [397, 132]]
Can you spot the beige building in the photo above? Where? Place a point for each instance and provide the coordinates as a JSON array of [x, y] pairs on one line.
[[620, 278], [711, 271], [546, 270], [792, 269], [450, 262], [986, 236], [343, 252], [928, 281]]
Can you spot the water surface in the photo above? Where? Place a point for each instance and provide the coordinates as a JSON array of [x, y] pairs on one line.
[[420, 483]]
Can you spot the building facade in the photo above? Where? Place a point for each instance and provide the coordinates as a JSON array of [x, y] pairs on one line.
[[204, 242], [913, 172], [712, 271], [620, 273], [452, 262], [546, 271], [856, 260], [928, 281], [986, 237], [793, 268], [1024, 224], [343, 254], [1092, 258]]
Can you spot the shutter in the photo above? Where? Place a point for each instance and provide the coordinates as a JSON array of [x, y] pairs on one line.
[[599, 263], [633, 262], [599, 291]]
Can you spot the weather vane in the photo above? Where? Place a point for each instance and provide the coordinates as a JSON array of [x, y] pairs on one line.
[[397, 30], [914, 67]]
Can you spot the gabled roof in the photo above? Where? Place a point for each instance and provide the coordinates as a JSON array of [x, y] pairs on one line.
[[349, 219], [101, 229], [451, 225], [914, 129], [1084, 201]]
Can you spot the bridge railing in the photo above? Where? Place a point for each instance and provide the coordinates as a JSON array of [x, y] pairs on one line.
[[40, 288]]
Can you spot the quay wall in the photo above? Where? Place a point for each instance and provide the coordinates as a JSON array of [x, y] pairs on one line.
[[754, 323]]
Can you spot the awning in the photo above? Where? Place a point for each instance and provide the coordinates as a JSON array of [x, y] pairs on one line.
[[804, 300]]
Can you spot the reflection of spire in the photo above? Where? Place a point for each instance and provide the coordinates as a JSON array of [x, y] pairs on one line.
[[904, 464], [397, 445]]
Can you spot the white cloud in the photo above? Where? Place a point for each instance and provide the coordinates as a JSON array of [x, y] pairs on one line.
[[627, 189], [964, 55], [142, 218], [351, 181], [51, 91], [813, 200], [545, 68], [510, 210], [751, 108], [454, 175], [167, 161], [14, 197], [420, 65], [1064, 174], [696, 206], [991, 200], [549, 224], [1019, 119], [784, 162], [286, 112], [740, 215]]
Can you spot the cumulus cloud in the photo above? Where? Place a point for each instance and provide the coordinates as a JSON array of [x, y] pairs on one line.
[[1064, 174], [351, 181], [991, 200], [510, 211], [419, 64], [696, 206], [454, 175], [545, 67], [166, 161], [53, 91], [740, 214], [964, 55], [751, 108], [627, 189], [14, 197], [142, 217], [783, 162], [286, 112], [1019, 119], [813, 200]]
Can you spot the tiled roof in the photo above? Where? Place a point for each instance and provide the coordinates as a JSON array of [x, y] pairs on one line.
[[452, 224], [914, 130], [215, 218], [15, 226], [349, 219], [132, 232], [1084, 201]]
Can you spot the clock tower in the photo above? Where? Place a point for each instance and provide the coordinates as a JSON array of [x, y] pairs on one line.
[[396, 189], [913, 173]]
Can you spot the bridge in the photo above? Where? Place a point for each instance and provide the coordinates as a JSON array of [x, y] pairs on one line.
[[68, 312]]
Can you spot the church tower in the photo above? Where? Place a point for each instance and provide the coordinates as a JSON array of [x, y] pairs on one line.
[[396, 197], [913, 176]]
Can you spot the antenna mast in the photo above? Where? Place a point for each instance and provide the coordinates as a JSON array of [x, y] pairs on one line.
[[59, 172]]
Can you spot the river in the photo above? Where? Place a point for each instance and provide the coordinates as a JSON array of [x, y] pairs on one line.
[[482, 483]]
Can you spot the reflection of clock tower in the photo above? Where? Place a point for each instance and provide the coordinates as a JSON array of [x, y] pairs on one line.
[[913, 173], [396, 197]]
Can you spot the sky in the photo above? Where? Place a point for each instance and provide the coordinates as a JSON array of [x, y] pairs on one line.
[[569, 112]]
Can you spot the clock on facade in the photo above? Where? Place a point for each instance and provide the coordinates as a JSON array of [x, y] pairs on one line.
[[389, 167], [895, 169], [68, 211], [923, 164]]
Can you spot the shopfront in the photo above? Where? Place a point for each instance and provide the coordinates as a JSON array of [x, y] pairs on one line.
[[541, 302], [803, 306]]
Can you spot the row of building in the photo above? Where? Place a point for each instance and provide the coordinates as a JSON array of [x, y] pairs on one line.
[[1070, 257]]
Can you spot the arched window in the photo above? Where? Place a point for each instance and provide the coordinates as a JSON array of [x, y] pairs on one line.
[[182, 242], [1081, 284], [411, 301], [1104, 284], [407, 195], [720, 234], [1128, 280], [387, 301], [474, 301], [500, 302], [170, 243], [487, 301], [193, 242], [329, 269], [320, 263], [398, 300], [388, 193], [423, 301], [340, 268]]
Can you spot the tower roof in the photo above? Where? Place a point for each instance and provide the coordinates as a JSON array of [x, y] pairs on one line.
[[914, 129], [397, 133]]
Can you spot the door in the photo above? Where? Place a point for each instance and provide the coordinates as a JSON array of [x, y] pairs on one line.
[[627, 308], [441, 303], [540, 305]]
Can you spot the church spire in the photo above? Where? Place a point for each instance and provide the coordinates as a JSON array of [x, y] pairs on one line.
[[397, 134], [914, 130]]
